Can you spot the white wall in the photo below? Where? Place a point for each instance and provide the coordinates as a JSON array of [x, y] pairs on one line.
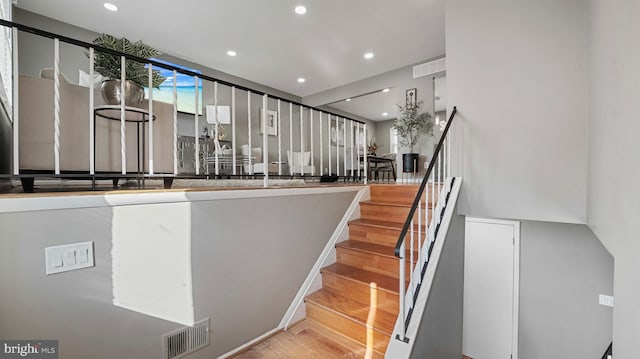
[[614, 125], [517, 71], [249, 256]]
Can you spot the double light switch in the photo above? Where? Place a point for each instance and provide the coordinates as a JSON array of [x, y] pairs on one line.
[[69, 257]]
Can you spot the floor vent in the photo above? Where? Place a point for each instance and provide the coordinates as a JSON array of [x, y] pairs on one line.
[[185, 340]]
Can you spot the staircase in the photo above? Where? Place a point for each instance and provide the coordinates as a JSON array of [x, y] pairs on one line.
[[342, 305]]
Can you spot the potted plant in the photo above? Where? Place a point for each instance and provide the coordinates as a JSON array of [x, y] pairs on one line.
[[410, 125], [136, 75]]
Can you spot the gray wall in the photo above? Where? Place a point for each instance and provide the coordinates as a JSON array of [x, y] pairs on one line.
[[517, 71], [440, 332], [244, 275], [563, 269], [382, 134], [613, 195]]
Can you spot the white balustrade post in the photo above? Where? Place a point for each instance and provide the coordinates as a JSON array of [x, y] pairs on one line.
[[265, 143], [175, 124], [313, 168], [215, 131], [366, 160], [196, 126], [329, 135], [358, 149], [16, 103], [251, 159], [321, 154], [344, 146], [56, 105], [301, 142], [92, 130], [337, 146], [123, 127], [290, 152], [351, 149], [233, 130], [401, 287], [150, 120], [279, 140]]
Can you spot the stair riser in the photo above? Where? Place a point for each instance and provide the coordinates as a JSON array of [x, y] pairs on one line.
[[359, 291], [367, 261], [398, 193], [384, 213], [345, 326], [375, 235]]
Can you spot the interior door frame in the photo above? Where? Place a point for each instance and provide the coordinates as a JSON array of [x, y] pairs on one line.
[[516, 275]]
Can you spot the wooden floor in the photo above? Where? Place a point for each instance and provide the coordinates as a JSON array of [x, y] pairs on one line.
[[306, 340]]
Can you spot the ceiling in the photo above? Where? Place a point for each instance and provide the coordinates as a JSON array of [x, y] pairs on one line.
[[371, 106], [274, 45]]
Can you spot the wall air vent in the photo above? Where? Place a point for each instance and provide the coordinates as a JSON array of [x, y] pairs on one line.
[[429, 68], [185, 340]]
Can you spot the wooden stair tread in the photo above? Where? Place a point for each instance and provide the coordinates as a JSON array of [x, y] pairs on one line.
[[382, 224], [372, 248], [384, 321], [383, 282]]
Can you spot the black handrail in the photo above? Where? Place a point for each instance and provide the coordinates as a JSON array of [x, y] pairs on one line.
[[416, 201], [87, 45], [608, 352]]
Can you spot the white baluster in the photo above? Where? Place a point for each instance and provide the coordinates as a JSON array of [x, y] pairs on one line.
[[351, 149], [56, 105], [16, 103], [175, 124], [358, 148], [123, 134], [150, 120], [401, 283], [279, 140], [366, 161], [337, 146], [301, 142], [196, 127], [321, 154], [290, 139], [313, 168], [251, 159], [92, 129], [265, 143], [329, 134], [216, 140], [344, 146], [233, 130]]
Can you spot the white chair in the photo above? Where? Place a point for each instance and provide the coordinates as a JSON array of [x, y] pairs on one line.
[[300, 162], [252, 161]]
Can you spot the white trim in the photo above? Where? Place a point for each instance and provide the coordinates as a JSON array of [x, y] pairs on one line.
[[516, 276], [397, 348], [315, 270], [29, 203], [250, 343]]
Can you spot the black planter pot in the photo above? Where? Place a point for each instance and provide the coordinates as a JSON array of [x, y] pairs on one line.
[[409, 162]]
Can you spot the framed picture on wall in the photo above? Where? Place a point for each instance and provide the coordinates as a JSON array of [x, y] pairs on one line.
[[272, 122], [412, 95]]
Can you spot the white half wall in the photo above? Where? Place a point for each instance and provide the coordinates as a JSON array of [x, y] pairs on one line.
[[614, 125], [517, 71]]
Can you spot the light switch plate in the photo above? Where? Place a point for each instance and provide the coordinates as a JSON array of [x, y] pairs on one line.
[[605, 300], [68, 257]]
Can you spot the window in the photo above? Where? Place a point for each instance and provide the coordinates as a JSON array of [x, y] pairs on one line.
[[185, 87], [393, 140]]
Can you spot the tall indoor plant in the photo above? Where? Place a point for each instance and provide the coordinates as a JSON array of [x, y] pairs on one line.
[[410, 125], [136, 75]]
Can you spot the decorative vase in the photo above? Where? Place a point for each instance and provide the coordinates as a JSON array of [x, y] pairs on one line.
[[133, 93], [410, 162]]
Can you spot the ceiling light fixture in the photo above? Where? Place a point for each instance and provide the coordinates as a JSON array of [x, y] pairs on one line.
[[385, 90], [300, 10], [301, 80], [368, 55], [231, 53], [385, 114], [109, 6], [348, 100]]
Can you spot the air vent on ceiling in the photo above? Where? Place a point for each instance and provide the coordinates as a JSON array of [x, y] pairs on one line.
[[429, 68], [185, 340]]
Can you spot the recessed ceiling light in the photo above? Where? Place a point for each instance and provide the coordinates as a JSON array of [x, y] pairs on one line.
[[300, 10], [231, 53], [385, 114], [368, 55], [348, 100], [385, 90], [109, 6], [301, 79]]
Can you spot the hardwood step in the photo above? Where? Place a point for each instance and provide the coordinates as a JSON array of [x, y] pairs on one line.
[[397, 193], [371, 257], [378, 232], [381, 211], [354, 283], [349, 317]]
